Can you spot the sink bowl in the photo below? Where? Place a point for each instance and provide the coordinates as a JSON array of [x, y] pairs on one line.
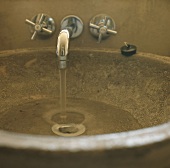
[[123, 103]]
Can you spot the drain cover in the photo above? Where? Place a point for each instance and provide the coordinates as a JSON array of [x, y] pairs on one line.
[[68, 130]]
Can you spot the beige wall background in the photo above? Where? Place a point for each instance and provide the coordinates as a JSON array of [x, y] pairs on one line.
[[145, 23]]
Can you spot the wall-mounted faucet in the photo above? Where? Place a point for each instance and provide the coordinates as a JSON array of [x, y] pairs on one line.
[[71, 27], [101, 26], [41, 25]]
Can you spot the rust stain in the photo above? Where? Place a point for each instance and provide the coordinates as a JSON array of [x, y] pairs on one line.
[[30, 63], [37, 97], [3, 71]]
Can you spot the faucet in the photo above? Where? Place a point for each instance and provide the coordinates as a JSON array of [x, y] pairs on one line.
[[71, 27]]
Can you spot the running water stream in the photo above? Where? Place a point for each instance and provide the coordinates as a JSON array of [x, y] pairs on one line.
[[62, 73], [63, 114]]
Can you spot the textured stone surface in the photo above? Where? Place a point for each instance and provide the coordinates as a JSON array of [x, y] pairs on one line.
[[138, 84]]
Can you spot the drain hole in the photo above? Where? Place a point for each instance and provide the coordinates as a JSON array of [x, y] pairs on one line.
[[68, 129]]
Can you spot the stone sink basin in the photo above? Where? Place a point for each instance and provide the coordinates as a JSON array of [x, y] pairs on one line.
[[122, 102]]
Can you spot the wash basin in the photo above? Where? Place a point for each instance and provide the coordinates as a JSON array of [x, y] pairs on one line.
[[123, 103]]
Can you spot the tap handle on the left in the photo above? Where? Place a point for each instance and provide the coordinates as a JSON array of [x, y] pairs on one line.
[[41, 25]]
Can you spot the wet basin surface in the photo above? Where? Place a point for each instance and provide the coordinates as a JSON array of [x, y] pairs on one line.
[[106, 92]]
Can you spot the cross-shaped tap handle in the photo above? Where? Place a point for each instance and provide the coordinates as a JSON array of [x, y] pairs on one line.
[[41, 24], [102, 26]]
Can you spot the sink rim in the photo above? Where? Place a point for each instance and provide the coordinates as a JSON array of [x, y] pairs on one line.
[[129, 139], [112, 141]]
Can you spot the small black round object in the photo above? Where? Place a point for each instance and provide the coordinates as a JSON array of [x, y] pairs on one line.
[[128, 49]]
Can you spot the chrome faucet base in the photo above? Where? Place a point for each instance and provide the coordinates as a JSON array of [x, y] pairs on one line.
[[74, 24], [71, 27]]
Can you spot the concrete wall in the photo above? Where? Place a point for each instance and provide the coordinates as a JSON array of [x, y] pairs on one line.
[[143, 23]]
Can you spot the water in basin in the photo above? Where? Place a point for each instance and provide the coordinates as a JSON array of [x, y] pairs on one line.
[[106, 92], [39, 116]]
